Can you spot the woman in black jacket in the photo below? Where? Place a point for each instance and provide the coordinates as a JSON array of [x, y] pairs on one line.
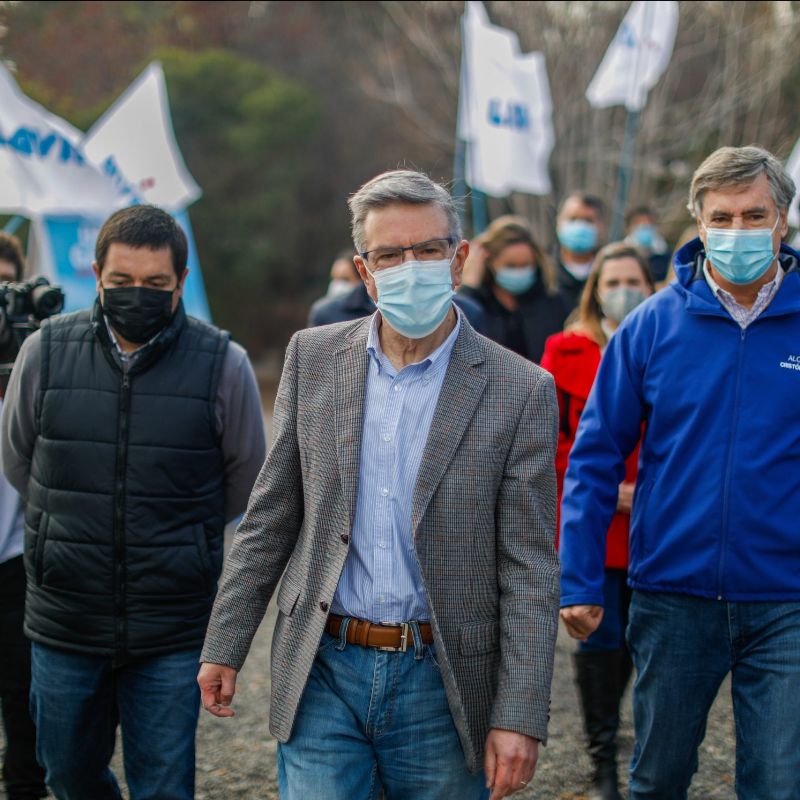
[[518, 291]]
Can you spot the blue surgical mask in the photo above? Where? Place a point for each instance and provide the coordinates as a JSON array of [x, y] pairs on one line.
[[644, 236], [414, 297], [740, 256], [516, 280], [578, 235]]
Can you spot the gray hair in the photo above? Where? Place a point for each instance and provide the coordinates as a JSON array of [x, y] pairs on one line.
[[734, 166], [399, 186]]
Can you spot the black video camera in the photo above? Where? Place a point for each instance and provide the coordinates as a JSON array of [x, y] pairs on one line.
[[23, 306]]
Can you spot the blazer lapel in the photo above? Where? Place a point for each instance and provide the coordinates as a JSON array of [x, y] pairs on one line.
[[351, 364], [461, 392]]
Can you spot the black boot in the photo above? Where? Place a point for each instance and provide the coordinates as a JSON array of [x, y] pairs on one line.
[[601, 677]]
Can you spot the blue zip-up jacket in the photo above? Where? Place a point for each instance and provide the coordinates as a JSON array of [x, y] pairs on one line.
[[716, 512]]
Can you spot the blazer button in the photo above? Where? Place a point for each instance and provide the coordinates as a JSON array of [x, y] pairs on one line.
[[345, 537], [323, 605]]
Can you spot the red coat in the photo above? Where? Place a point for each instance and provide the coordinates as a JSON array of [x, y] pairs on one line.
[[573, 359]]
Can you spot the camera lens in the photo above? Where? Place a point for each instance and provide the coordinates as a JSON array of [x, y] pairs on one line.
[[46, 301]]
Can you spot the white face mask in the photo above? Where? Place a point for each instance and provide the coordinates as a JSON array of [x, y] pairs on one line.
[[337, 287], [579, 271], [617, 303]]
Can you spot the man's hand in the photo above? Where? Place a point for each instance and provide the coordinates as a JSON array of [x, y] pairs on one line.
[[625, 497], [581, 621], [510, 762], [217, 687]]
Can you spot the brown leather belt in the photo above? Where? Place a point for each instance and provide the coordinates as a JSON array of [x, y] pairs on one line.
[[395, 638]]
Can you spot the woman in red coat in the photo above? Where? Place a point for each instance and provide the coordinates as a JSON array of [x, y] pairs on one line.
[[620, 279]]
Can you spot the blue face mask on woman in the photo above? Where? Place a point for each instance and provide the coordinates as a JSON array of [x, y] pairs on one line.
[[414, 297], [740, 256], [516, 280], [577, 235]]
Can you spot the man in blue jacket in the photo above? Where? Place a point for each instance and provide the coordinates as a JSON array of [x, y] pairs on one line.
[[711, 366]]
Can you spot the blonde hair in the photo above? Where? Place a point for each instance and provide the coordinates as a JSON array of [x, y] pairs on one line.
[[589, 313], [508, 230]]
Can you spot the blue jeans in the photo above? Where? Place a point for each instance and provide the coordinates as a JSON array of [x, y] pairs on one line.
[[369, 720], [683, 647], [77, 701]]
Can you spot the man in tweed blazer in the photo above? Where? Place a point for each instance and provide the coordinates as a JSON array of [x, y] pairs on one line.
[[408, 501]]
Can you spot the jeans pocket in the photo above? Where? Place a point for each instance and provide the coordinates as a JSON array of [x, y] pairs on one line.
[[430, 657], [326, 643]]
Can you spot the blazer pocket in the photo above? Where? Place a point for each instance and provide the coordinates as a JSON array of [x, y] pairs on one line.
[[288, 596], [479, 637]]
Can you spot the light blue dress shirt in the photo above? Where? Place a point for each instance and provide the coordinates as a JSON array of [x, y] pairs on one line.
[[381, 580]]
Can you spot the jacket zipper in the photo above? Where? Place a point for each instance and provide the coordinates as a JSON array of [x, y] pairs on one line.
[[729, 465], [120, 632]]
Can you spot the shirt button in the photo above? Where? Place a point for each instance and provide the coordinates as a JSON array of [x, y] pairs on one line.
[[387, 437], [385, 492], [345, 538], [380, 598], [397, 387], [323, 605]]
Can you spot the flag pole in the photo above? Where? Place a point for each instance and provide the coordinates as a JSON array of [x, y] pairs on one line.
[[459, 186], [628, 151], [460, 150], [624, 175]]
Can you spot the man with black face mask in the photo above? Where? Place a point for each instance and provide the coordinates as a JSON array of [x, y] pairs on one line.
[[135, 434]]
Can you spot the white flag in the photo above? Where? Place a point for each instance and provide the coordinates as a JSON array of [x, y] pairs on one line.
[[793, 168], [505, 110], [42, 167], [637, 57], [134, 141]]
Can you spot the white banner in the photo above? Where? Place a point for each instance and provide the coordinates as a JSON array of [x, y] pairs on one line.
[[42, 167], [793, 168], [637, 57], [134, 142], [505, 110]]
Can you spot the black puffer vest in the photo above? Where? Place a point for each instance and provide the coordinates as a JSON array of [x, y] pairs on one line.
[[126, 508]]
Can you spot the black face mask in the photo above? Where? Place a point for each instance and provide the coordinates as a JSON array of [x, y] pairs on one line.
[[138, 313]]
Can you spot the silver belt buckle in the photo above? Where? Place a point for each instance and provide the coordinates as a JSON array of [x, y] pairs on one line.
[[403, 637]]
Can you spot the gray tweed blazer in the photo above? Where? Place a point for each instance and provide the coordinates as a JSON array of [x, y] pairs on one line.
[[483, 517]]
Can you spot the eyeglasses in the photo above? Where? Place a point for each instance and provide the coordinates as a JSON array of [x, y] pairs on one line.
[[431, 250]]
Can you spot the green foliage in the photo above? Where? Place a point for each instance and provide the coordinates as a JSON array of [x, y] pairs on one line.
[[244, 131]]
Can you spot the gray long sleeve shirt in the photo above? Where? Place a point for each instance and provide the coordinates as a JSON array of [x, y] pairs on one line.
[[239, 422]]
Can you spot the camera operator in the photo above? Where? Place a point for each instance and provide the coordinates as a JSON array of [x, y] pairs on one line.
[[135, 433], [22, 775]]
